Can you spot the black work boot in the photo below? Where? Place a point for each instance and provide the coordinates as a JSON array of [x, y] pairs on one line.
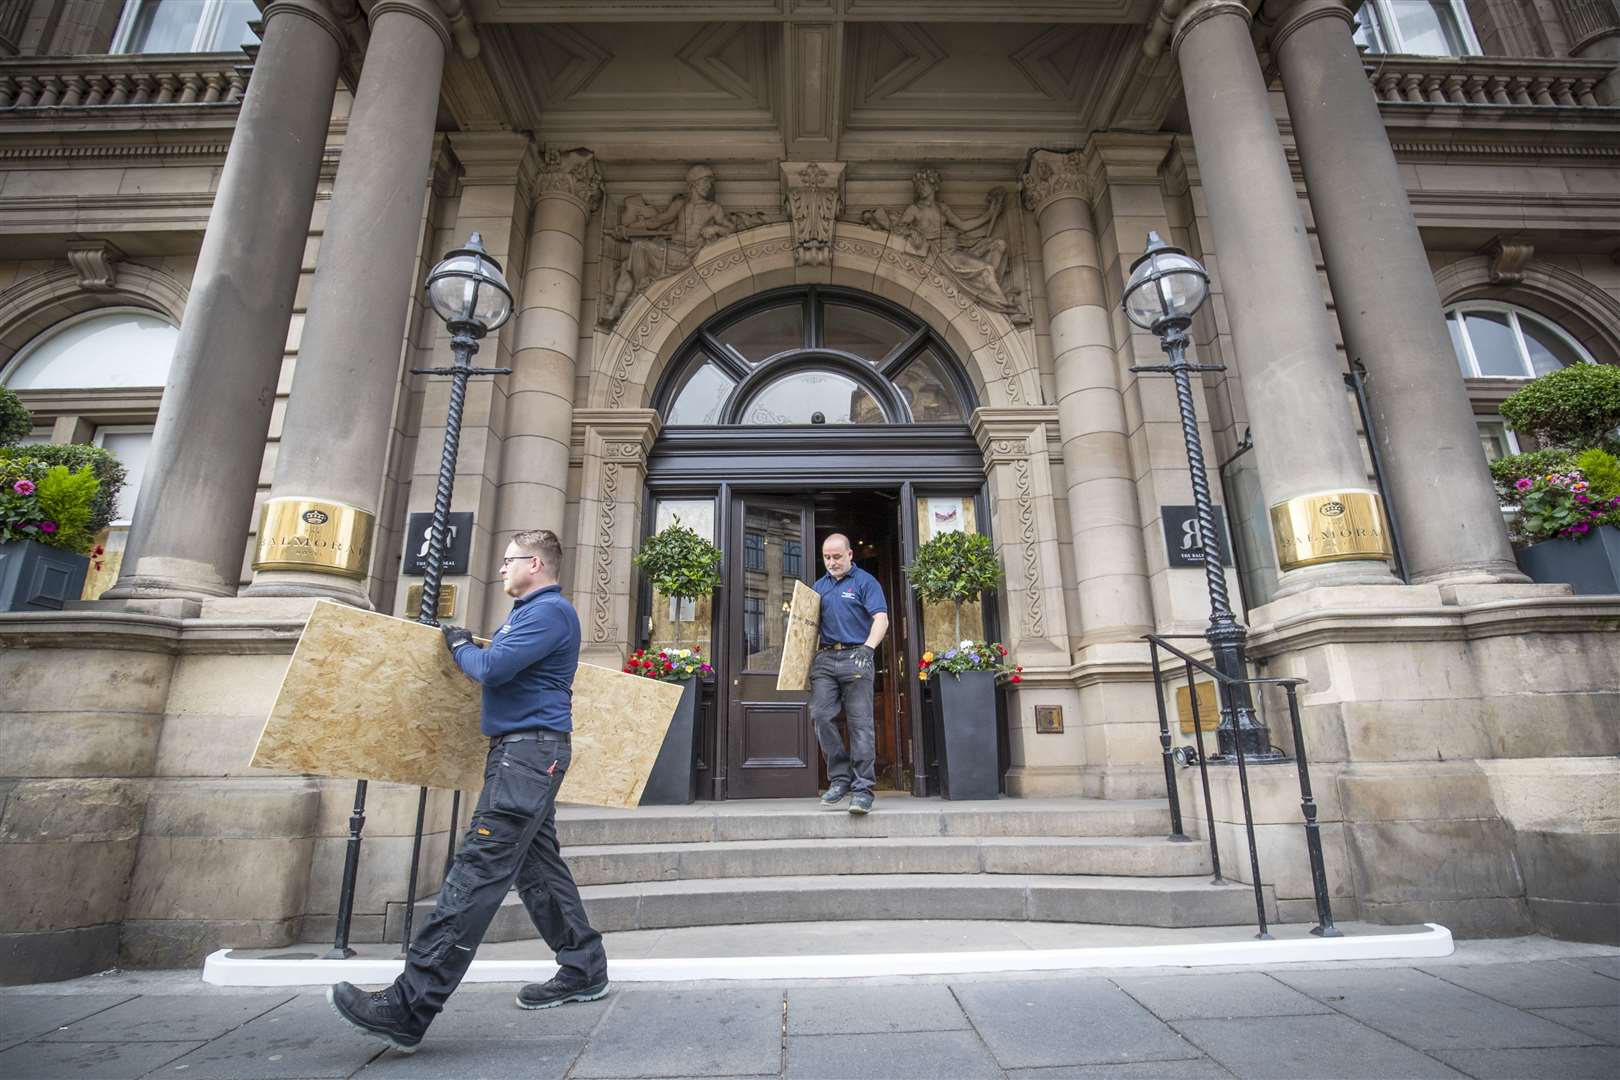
[[377, 1014], [560, 991], [835, 793]]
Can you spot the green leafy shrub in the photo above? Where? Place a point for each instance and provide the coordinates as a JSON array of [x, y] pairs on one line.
[[1602, 471], [15, 419], [680, 563], [108, 472], [1576, 407], [51, 504], [955, 566]]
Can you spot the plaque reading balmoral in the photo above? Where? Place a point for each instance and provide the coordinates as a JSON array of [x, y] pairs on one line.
[[311, 534], [1330, 526]]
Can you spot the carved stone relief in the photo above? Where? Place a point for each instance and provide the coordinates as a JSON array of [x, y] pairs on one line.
[[814, 196], [967, 249], [649, 243]]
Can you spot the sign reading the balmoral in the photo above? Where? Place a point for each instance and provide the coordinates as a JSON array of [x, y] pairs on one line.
[[1329, 527], [308, 534]]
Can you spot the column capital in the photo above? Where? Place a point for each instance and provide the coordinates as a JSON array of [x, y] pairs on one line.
[[1308, 11], [1050, 175], [1202, 11], [1003, 434], [426, 10], [319, 12], [570, 174]]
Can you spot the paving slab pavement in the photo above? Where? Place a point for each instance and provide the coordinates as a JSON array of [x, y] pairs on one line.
[[1521, 1008]]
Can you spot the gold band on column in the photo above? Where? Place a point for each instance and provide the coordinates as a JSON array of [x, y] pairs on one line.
[[296, 533], [1330, 526]]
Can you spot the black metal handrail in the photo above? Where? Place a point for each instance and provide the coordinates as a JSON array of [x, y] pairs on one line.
[[1225, 685]]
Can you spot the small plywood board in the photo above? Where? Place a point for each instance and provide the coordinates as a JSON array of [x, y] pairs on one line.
[[372, 697], [800, 641]]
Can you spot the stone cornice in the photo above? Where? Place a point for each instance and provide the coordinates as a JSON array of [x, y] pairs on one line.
[[1332, 626], [133, 632]]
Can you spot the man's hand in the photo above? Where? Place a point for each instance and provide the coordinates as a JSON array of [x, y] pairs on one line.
[[456, 636]]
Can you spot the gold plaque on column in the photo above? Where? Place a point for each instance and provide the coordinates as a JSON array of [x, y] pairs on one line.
[[309, 534], [1328, 527]]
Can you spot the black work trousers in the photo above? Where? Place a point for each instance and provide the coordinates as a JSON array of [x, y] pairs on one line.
[[512, 841]]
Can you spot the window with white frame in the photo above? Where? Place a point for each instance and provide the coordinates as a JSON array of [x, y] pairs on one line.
[[131, 444], [103, 349], [1416, 28], [1499, 341], [1496, 438], [182, 26]]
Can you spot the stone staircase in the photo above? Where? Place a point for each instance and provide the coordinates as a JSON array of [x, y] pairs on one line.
[[1047, 860]]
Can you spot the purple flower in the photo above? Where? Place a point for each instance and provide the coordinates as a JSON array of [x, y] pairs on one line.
[[47, 527], [1524, 483], [1584, 527], [23, 487], [1583, 499]]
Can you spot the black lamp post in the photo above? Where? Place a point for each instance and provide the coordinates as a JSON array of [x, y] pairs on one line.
[[467, 290], [1166, 288]]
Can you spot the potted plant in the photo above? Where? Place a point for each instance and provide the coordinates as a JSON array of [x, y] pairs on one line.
[[959, 567], [52, 505], [683, 566], [1567, 495]]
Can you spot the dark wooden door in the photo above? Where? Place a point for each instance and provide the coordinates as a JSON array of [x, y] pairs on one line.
[[771, 749]]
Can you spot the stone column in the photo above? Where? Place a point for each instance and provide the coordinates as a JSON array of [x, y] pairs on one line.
[[1594, 34], [1388, 306], [192, 519], [334, 439], [613, 446], [1110, 566], [540, 391], [1305, 443]]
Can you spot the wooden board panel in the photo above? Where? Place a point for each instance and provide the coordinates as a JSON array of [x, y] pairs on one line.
[[372, 697], [803, 635]]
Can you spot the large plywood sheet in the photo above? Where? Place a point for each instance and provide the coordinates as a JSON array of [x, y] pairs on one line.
[[371, 697], [803, 635]]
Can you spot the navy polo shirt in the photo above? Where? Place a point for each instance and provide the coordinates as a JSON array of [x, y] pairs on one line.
[[847, 606], [528, 668]]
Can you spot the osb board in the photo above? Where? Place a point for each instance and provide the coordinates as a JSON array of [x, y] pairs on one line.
[[803, 635], [371, 697]]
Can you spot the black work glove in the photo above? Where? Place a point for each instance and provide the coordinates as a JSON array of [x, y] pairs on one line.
[[456, 635]]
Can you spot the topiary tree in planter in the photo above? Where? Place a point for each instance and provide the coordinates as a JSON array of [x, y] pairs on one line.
[[1575, 407], [680, 563], [15, 419], [955, 566]]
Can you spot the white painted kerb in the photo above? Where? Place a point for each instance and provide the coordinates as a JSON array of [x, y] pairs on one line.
[[221, 969]]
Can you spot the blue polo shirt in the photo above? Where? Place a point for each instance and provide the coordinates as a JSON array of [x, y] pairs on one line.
[[528, 668], [847, 606]]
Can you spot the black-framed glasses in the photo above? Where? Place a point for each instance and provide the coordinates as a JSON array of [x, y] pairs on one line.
[[509, 558]]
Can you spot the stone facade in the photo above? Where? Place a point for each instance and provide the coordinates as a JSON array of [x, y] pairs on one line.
[[638, 170]]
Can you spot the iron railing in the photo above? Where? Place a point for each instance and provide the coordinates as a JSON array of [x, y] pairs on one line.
[[1225, 688]]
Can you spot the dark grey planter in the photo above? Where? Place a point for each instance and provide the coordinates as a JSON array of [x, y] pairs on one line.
[[674, 774], [1591, 565], [34, 577], [968, 767]]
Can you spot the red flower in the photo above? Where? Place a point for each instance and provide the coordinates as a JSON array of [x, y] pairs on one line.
[[1016, 678], [1002, 649]]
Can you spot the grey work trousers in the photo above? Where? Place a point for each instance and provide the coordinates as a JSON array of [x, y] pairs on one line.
[[844, 677]]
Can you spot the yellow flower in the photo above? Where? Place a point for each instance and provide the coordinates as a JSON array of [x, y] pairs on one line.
[[922, 676], [928, 657]]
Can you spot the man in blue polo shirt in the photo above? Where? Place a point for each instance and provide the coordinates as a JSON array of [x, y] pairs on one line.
[[854, 618], [528, 676]]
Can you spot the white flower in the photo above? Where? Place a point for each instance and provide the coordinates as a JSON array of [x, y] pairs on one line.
[[964, 644]]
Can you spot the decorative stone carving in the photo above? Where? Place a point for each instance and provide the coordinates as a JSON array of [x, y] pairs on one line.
[[1051, 175], [1508, 261], [570, 172], [95, 263], [813, 194], [966, 249], [655, 243]]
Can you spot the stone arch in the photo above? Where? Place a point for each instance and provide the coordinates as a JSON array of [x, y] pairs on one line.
[[628, 359], [34, 305], [1588, 313]]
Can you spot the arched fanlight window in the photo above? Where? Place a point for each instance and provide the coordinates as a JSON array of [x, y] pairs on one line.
[[1498, 341], [814, 356], [104, 349]]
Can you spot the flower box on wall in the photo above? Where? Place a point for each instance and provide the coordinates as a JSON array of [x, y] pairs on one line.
[[34, 577], [1590, 564]]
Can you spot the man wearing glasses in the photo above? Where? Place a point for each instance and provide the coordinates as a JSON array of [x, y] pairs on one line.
[[854, 618], [527, 672]]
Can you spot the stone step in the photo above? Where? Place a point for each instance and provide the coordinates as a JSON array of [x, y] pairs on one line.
[[1127, 901], [1126, 856], [896, 816]]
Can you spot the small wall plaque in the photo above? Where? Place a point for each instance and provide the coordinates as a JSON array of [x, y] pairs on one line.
[[1182, 540], [457, 543], [1048, 719], [447, 601], [1209, 709]]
